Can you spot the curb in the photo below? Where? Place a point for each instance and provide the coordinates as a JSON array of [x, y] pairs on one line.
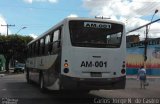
[[148, 77], [2, 75]]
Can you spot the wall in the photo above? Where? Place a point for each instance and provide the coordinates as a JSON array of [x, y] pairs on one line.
[[135, 59]]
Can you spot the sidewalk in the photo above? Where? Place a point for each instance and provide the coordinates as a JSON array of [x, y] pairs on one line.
[[3, 72], [148, 77], [127, 76]]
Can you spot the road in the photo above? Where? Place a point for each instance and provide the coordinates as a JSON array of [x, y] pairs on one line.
[[133, 90], [13, 88]]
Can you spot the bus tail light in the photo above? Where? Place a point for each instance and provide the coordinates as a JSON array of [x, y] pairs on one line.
[[66, 70], [123, 66], [123, 71], [66, 65]]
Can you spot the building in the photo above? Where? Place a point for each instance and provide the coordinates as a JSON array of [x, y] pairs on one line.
[[132, 38], [135, 56]]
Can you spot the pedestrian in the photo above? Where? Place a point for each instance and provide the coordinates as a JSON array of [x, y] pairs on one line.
[[142, 76]]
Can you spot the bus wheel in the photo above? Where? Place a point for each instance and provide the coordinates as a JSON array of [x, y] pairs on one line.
[[83, 91], [41, 82], [27, 76]]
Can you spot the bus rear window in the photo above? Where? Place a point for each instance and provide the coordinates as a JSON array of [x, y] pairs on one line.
[[95, 34]]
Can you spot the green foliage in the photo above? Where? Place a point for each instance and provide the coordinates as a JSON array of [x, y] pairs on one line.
[[2, 37], [16, 38], [14, 46]]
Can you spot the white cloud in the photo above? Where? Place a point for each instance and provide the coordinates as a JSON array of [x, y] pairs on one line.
[[50, 1], [53, 1], [126, 11], [33, 35], [120, 7], [146, 0], [3, 29], [154, 29], [28, 1], [134, 22], [72, 15]]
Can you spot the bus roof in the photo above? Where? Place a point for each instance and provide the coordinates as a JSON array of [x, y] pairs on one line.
[[74, 18]]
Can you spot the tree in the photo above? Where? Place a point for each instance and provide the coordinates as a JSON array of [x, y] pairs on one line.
[[14, 46]]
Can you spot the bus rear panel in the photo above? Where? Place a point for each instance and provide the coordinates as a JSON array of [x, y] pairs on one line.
[[93, 55]]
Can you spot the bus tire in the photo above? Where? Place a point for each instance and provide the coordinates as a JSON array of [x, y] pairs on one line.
[[121, 84], [27, 76], [41, 82]]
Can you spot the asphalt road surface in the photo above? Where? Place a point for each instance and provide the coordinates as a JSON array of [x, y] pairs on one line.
[[15, 90]]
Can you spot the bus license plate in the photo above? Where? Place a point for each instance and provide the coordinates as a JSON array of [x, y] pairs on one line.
[[96, 74]]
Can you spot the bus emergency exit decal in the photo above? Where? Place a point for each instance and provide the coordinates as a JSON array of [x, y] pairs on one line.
[[94, 64]]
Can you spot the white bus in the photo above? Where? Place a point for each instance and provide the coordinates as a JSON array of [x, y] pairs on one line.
[[79, 54]]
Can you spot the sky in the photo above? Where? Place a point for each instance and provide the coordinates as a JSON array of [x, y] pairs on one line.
[[40, 15]]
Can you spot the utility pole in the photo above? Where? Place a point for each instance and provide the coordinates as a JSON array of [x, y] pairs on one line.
[[7, 27], [145, 44], [146, 39]]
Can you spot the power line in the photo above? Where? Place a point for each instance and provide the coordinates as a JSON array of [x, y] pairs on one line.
[[7, 27]]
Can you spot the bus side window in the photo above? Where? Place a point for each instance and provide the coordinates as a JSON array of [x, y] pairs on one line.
[[40, 51], [42, 46], [47, 41], [43, 49], [56, 36], [34, 49], [56, 41], [38, 48], [50, 43], [37, 43], [29, 51]]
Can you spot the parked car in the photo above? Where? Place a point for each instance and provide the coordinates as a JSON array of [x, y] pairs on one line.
[[19, 67]]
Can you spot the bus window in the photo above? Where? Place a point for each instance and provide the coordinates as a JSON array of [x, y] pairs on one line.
[[37, 47], [29, 51], [114, 38], [56, 41], [50, 43], [95, 34], [47, 39], [47, 42], [42, 46], [56, 35], [51, 36], [41, 41], [34, 49]]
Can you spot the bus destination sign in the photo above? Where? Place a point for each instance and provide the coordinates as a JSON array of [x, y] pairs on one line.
[[97, 25]]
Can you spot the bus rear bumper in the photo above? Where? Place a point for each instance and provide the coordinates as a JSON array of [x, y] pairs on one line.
[[71, 83]]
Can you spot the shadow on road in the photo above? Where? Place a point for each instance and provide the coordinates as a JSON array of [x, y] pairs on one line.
[[30, 94]]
